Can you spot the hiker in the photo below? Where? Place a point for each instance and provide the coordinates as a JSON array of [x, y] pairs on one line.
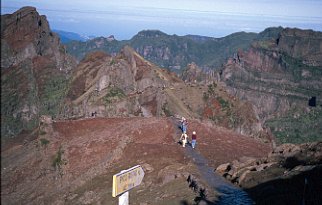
[[181, 123], [193, 139], [184, 124], [184, 139]]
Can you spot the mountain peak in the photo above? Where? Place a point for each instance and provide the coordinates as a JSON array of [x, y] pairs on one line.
[[269, 33], [151, 33], [26, 9], [133, 57]]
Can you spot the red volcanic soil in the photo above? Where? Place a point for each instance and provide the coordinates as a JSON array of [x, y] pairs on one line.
[[220, 145], [77, 163]]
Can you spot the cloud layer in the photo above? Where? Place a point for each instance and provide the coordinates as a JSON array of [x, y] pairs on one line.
[[124, 18]]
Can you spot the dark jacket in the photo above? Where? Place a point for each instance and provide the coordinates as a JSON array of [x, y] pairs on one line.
[[194, 137]]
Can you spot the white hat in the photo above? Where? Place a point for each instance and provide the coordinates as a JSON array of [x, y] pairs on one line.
[[193, 132]]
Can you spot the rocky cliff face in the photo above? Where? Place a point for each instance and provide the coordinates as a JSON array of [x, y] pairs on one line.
[[305, 45], [279, 75], [221, 107], [34, 69]]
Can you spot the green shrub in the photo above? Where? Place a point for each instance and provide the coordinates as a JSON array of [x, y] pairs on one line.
[[166, 110], [44, 141], [58, 161], [205, 97], [211, 89], [113, 94], [224, 104], [112, 62]]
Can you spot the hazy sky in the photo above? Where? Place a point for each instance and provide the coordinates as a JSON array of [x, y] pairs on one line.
[[217, 18]]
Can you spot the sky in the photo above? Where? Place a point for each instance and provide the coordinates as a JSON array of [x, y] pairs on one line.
[[215, 18]]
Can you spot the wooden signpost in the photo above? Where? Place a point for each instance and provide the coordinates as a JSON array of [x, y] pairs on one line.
[[126, 180]]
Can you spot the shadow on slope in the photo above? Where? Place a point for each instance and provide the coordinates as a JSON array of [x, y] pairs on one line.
[[305, 188]]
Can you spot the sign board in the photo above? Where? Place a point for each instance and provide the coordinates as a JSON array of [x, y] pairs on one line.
[[126, 180]]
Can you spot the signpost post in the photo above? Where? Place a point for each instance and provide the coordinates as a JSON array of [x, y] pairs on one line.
[[126, 180]]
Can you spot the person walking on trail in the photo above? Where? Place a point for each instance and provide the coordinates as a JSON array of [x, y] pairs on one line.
[[184, 139], [184, 124], [193, 139]]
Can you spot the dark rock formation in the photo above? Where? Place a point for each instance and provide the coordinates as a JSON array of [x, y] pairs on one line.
[[34, 70], [282, 176]]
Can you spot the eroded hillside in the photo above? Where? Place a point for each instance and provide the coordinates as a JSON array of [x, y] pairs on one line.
[[124, 85], [279, 76]]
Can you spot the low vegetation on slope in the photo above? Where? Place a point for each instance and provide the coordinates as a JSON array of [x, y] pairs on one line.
[[298, 128]]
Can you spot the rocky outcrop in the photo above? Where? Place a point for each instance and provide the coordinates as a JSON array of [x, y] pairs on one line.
[[226, 110], [25, 34], [34, 70], [287, 165], [193, 74], [124, 85], [303, 44], [278, 75]]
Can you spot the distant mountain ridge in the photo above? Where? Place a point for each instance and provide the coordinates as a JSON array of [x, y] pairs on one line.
[[171, 51], [66, 36], [199, 38], [176, 52]]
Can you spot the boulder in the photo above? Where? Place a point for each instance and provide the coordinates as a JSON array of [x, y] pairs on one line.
[[223, 169]]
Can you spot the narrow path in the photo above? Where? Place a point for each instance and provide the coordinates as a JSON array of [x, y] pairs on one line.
[[229, 194]]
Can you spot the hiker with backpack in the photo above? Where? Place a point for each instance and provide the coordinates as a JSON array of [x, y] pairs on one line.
[[184, 125]]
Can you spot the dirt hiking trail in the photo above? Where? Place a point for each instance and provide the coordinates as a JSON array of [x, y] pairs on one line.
[[229, 194]]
